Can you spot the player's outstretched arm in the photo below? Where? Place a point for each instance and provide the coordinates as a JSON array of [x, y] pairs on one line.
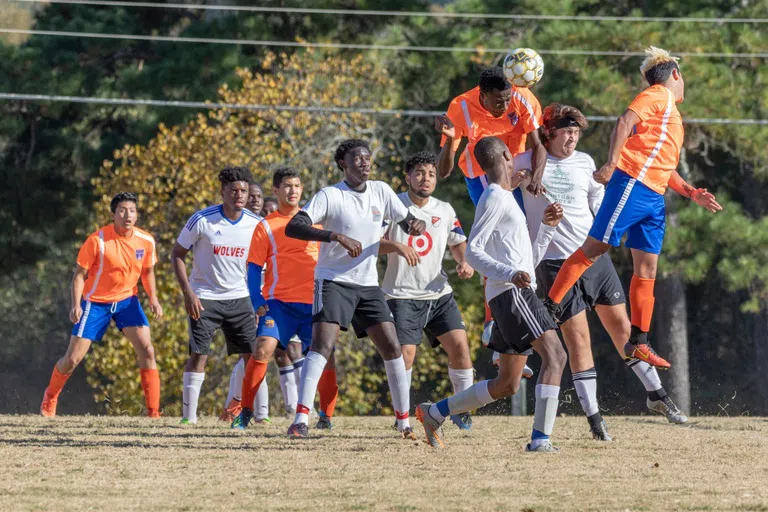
[[445, 159], [149, 283], [700, 196], [619, 136], [459, 253], [76, 293], [191, 302], [538, 162]]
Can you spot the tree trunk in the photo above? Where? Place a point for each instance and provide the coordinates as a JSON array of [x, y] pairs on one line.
[[670, 336], [760, 338]]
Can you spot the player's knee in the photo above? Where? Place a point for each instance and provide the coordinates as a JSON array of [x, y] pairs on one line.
[[508, 386], [147, 351], [69, 362]]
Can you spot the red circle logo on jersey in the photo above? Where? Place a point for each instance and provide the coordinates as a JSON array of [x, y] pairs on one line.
[[422, 243]]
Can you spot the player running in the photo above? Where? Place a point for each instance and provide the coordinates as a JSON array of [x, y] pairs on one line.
[[568, 180], [415, 283], [216, 293], [644, 153], [289, 289], [104, 288], [500, 249], [346, 282]]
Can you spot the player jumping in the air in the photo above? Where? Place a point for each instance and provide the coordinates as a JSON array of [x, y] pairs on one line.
[[284, 304], [568, 180], [216, 293], [104, 288], [346, 282], [416, 286], [642, 162], [499, 247]]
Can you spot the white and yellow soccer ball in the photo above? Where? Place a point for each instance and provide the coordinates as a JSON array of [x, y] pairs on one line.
[[523, 67]]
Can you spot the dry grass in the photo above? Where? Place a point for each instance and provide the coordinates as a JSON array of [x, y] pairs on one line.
[[122, 463]]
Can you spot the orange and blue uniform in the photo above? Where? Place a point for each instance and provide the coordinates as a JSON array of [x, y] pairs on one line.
[[634, 197], [288, 289], [114, 264], [471, 120]]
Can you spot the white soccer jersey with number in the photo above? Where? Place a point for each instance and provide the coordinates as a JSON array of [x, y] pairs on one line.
[[220, 251], [568, 181], [427, 280], [357, 215]]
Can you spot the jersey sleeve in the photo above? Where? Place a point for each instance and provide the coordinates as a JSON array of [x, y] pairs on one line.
[[487, 217], [528, 110], [191, 232], [150, 258], [89, 251], [595, 191], [648, 103], [260, 244], [455, 231], [317, 207], [456, 115], [396, 210]]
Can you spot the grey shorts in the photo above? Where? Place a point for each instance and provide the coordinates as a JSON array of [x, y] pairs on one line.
[[234, 317]]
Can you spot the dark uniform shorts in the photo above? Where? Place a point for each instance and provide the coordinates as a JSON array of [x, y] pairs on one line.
[[343, 303], [235, 319], [433, 317], [520, 318]]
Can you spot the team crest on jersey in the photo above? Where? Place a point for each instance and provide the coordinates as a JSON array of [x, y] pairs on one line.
[[436, 221], [269, 323], [139, 253], [513, 118], [376, 214]]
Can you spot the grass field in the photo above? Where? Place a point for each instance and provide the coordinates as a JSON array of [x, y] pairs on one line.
[[124, 463]]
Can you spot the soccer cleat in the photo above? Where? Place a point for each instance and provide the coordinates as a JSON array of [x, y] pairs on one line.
[[298, 431], [230, 413], [599, 428], [543, 447], [262, 421], [185, 421], [668, 408], [487, 330], [463, 421], [324, 422], [48, 407], [553, 309], [153, 413], [527, 372], [242, 420], [645, 353], [408, 434], [432, 427]]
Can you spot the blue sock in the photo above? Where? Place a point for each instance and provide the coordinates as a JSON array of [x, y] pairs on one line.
[[442, 406], [536, 435]]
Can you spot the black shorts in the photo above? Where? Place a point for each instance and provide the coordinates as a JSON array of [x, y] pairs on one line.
[[235, 319], [434, 317], [342, 304], [519, 318], [599, 285]]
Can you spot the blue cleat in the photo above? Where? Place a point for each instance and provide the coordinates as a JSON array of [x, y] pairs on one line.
[[242, 420], [463, 421]]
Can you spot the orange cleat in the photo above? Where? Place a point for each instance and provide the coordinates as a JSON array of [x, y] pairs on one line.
[[48, 407], [233, 411], [644, 352]]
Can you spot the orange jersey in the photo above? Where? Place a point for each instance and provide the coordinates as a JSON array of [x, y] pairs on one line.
[[114, 263], [652, 152], [290, 272], [473, 121]]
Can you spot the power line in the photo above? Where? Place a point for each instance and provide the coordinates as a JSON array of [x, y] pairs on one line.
[[350, 46], [303, 108], [425, 14]]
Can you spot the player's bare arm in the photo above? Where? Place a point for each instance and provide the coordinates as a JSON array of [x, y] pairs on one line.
[[621, 132], [76, 292], [538, 162], [191, 301], [150, 286], [409, 253], [463, 268], [447, 155], [700, 196]]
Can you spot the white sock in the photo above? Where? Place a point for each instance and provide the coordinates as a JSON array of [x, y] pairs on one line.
[[461, 379], [190, 394], [547, 400], [647, 374], [289, 388], [400, 389], [409, 376], [470, 399], [261, 401], [236, 382], [586, 389], [312, 369], [297, 366]]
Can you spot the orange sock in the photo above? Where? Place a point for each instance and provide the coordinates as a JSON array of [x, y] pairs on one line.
[[488, 316], [150, 383], [255, 371], [641, 302], [329, 391], [573, 268], [56, 384]]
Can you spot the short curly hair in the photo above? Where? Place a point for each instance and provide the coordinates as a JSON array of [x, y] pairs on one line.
[[493, 79], [233, 174], [555, 112], [283, 173], [122, 197], [420, 158], [347, 146]]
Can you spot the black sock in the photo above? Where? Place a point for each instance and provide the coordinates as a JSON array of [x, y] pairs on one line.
[[659, 394], [637, 336]]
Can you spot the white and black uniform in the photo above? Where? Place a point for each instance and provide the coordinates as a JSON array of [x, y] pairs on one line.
[[569, 181], [347, 289], [498, 247], [220, 251], [420, 297]]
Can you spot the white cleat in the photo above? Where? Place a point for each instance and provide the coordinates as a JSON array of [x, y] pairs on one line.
[[668, 408], [543, 447], [527, 372]]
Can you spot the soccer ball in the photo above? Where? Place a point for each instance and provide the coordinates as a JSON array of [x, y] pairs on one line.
[[523, 67]]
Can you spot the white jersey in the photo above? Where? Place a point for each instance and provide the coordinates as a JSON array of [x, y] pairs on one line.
[[499, 246], [569, 182], [427, 280], [357, 215], [220, 251]]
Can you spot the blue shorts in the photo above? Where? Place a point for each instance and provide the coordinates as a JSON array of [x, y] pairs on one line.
[[286, 319], [96, 316], [476, 186], [632, 208]]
